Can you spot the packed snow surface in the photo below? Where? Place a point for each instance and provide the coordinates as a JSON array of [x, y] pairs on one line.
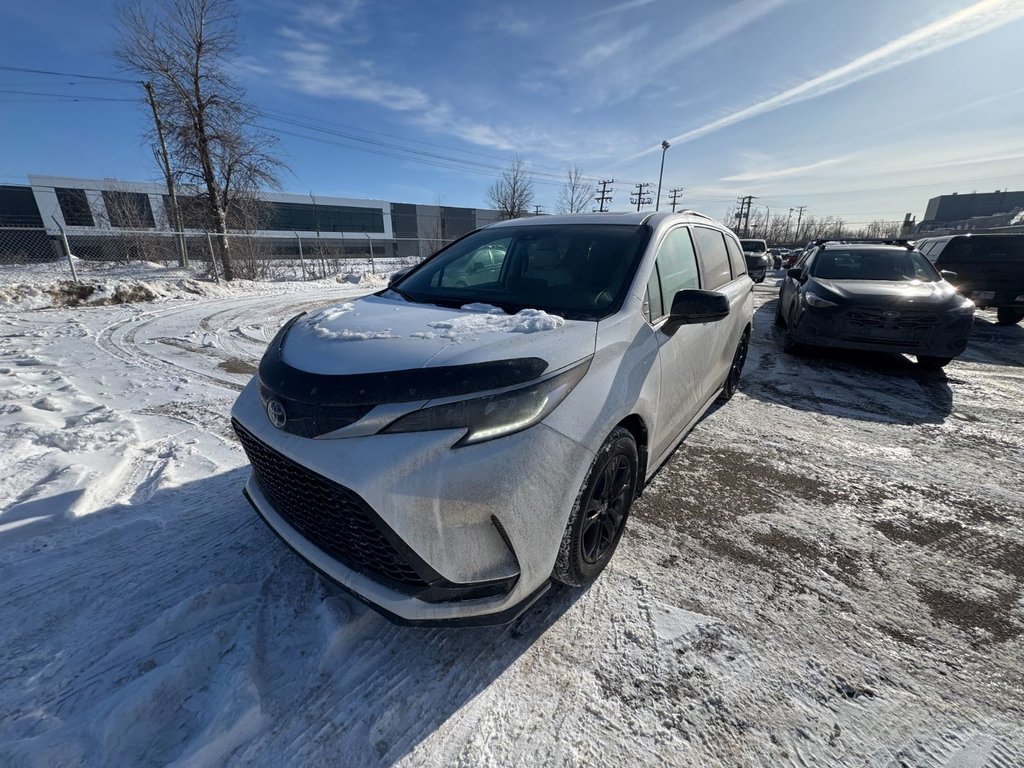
[[828, 572], [481, 318]]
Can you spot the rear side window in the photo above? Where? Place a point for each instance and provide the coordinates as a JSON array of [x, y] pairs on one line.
[[736, 260], [677, 266], [980, 248], [714, 257]]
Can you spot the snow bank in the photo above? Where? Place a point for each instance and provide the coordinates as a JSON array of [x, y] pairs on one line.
[[362, 279]]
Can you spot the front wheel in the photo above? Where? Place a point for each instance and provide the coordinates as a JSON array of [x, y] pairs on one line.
[[599, 515], [1009, 315], [732, 381], [930, 363]]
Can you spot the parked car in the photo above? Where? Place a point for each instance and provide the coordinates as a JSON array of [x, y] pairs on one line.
[[875, 297], [444, 452], [989, 269], [756, 254]]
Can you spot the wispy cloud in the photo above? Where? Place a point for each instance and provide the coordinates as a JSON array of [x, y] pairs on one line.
[[965, 24], [311, 68], [781, 173], [620, 8]]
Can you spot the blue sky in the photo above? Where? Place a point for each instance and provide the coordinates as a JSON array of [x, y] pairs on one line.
[[857, 108]]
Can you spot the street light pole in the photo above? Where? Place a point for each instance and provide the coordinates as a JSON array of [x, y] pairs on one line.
[[664, 149]]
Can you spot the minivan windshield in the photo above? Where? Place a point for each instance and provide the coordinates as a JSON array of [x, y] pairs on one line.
[[875, 264], [754, 246], [578, 271]]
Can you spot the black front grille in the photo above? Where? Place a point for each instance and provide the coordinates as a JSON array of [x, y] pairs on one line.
[[893, 320], [330, 516]]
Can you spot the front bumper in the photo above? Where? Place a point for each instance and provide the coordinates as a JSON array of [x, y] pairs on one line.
[[933, 334], [478, 526]]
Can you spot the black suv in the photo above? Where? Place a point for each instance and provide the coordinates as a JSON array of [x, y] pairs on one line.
[[989, 269]]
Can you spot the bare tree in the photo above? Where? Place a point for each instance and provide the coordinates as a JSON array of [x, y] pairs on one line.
[[574, 196], [184, 49], [512, 194]]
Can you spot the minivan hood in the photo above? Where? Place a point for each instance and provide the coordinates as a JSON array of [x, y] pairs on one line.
[[888, 292], [375, 335]]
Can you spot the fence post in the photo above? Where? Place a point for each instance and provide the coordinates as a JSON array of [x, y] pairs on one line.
[[373, 268], [67, 249], [302, 261], [213, 257]]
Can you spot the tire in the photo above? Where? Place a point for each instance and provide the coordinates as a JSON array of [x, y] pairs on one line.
[[732, 381], [595, 526], [780, 321], [933, 363], [1009, 315]]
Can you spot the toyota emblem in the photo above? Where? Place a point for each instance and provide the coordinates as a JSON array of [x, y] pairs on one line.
[[276, 414], [891, 315]]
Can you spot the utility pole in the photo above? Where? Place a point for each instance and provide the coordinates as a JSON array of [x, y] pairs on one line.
[[536, 210], [641, 197], [789, 220], [674, 197], [175, 213], [800, 214], [744, 213], [602, 195]]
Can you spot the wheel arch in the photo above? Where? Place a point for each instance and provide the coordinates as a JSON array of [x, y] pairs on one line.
[[637, 427]]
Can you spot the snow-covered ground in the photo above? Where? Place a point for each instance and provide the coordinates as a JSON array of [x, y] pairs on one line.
[[828, 572]]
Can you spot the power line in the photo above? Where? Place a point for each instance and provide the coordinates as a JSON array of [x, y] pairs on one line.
[[68, 74], [69, 96], [641, 198]]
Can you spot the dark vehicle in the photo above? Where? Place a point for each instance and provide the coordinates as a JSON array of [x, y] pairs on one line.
[[873, 297], [989, 270], [756, 254]]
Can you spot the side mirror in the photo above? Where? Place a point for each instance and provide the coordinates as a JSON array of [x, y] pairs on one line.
[[796, 273], [396, 276], [945, 274], [693, 306]]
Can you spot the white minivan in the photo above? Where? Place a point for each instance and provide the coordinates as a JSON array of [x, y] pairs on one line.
[[444, 449]]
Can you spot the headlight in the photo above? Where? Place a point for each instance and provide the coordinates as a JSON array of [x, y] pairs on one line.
[[967, 308], [486, 418], [815, 300]]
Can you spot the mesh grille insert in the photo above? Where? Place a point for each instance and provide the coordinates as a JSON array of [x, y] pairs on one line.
[[330, 516]]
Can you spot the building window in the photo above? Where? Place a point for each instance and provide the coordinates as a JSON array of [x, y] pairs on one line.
[[74, 207], [308, 217], [128, 210]]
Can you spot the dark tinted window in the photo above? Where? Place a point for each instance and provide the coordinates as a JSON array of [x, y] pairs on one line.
[[677, 266], [307, 217], [754, 246], [877, 264], [736, 260], [74, 207], [128, 210], [714, 257], [985, 248], [18, 207], [580, 271]]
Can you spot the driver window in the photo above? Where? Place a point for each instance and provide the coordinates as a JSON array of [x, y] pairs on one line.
[[677, 266]]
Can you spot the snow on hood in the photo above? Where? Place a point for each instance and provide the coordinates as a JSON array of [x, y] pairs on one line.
[[374, 334], [893, 291]]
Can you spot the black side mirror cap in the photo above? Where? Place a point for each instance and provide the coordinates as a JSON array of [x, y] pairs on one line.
[[693, 306], [396, 276], [945, 274]]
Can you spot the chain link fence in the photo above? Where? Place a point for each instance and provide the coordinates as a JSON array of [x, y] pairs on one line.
[[28, 251]]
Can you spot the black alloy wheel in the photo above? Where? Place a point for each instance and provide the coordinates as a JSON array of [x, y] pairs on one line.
[[933, 363], [1009, 315], [599, 515], [732, 381]]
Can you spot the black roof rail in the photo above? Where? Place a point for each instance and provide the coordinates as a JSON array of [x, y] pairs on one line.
[[866, 241]]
